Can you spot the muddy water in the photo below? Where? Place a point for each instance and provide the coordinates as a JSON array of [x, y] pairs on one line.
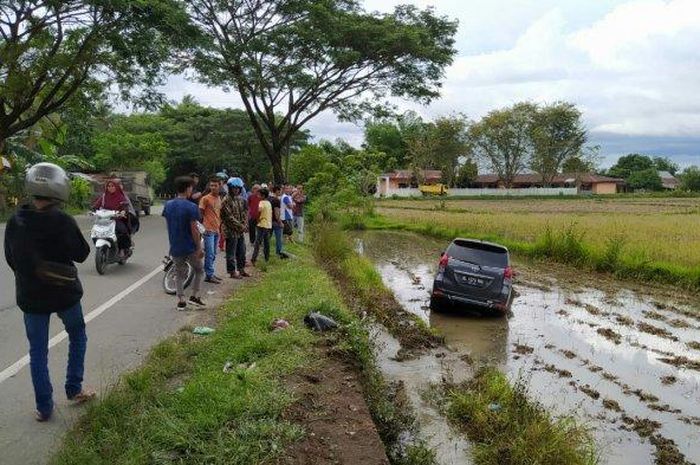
[[581, 351]]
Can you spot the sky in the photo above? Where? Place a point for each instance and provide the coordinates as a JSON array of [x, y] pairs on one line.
[[631, 66]]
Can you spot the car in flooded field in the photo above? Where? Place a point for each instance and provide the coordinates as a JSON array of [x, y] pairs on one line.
[[473, 273]]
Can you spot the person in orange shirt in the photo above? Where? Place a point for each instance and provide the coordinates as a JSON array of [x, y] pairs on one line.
[[210, 208]]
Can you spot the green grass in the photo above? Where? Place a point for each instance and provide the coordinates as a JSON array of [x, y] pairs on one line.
[[180, 407], [566, 243], [508, 429], [363, 288]]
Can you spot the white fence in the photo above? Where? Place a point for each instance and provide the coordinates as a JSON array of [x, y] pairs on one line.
[[530, 191]]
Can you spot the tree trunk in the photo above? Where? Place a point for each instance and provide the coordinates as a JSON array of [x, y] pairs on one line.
[[278, 173]]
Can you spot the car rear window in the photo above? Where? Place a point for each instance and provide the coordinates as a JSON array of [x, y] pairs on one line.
[[479, 253]]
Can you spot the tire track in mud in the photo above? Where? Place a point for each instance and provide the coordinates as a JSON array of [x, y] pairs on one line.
[[666, 450]]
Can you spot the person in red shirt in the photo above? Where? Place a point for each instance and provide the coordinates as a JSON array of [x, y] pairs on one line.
[[253, 202]]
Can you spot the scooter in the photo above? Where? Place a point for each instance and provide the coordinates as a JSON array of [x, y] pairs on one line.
[[104, 236]]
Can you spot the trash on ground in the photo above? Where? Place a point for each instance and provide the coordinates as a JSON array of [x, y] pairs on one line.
[[228, 367], [279, 324], [319, 322], [495, 407], [202, 330]]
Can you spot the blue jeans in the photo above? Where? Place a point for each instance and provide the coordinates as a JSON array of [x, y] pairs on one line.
[[211, 241], [37, 326], [277, 230]]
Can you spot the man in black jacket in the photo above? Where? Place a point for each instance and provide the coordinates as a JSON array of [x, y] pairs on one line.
[[41, 245]]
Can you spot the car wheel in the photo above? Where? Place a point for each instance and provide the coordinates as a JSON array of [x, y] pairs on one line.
[[436, 304]]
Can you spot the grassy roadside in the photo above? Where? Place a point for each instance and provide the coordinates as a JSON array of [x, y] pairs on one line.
[[565, 245], [364, 291], [180, 407], [506, 428]]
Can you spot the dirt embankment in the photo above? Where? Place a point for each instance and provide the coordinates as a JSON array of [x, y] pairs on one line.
[[333, 412]]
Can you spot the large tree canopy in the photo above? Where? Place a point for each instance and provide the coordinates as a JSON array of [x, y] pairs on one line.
[[502, 139], [292, 59], [52, 51], [557, 135]]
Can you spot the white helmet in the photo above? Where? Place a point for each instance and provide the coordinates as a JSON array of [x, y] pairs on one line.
[[49, 181]]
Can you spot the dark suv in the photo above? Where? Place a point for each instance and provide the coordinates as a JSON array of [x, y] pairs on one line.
[[473, 273]]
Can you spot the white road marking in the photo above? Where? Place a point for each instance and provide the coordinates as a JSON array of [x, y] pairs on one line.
[[13, 369]]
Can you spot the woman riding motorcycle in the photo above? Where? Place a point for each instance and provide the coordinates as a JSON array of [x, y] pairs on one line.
[[114, 198]]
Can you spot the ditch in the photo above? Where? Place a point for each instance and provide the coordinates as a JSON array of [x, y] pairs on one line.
[[626, 365]]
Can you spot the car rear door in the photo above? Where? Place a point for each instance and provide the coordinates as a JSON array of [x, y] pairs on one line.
[[477, 268]]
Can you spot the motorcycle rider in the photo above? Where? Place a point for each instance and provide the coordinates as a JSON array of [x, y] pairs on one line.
[[115, 199], [41, 245]]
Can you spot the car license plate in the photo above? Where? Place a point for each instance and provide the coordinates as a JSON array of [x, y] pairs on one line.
[[472, 281]]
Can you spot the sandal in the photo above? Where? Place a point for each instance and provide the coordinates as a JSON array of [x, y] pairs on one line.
[[83, 396], [41, 417]]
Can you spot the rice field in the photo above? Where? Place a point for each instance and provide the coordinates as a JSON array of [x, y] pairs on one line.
[[655, 230]]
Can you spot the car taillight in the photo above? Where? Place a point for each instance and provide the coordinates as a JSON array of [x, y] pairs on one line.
[[508, 273], [444, 260]]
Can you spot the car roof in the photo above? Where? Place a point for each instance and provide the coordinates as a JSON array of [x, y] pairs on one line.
[[480, 242]]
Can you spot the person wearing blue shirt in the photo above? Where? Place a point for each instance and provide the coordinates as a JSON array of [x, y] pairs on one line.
[[182, 217]]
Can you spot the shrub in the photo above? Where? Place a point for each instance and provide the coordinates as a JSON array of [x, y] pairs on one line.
[[610, 260], [330, 244], [566, 245], [507, 428], [80, 193]]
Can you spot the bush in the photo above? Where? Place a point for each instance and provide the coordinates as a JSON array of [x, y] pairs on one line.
[[566, 245], [518, 431], [610, 260], [80, 193]]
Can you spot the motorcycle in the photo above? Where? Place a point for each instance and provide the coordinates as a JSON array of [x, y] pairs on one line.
[[104, 236]]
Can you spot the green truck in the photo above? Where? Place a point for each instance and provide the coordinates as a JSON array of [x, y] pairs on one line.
[[136, 185]]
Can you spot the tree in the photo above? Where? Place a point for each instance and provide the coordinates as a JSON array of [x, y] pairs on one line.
[[121, 149], [440, 145], [466, 173], [385, 136], [665, 164], [647, 180], [290, 60], [392, 136], [306, 163], [628, 164], [690, 179], [502, 139], [52, 51], [557, 135]]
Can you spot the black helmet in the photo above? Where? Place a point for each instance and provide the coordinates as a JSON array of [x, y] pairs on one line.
[[48, 181]]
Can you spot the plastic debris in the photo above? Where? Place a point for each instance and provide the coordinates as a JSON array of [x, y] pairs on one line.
[[202, 330], [228, 367], [319, 322], [495, 407], [279, 325]]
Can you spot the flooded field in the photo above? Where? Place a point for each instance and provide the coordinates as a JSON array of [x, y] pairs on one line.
[[626, 365]]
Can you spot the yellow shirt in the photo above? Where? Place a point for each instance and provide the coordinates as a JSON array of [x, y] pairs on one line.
[[265, 217]]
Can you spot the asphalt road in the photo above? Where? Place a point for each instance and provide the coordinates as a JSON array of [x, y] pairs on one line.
[[130, 313]]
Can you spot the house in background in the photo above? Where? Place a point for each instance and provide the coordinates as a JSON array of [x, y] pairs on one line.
[[404, 179], [586, 183], [669, 181]]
